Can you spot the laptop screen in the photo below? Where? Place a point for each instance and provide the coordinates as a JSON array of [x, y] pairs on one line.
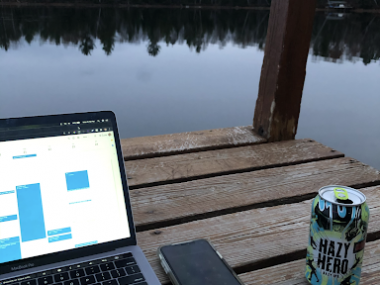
[[60, 188]]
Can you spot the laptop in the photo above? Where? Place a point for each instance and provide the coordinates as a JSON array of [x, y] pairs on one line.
[[65, 212]]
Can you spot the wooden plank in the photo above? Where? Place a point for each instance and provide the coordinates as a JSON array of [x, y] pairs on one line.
[[189, 166], [252, 239], [292, 273], [179, 202], [143, 147], [284, 68], [287, 273]]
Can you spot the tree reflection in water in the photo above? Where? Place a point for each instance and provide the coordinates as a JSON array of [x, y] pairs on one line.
[[336, 37], [82, 26]]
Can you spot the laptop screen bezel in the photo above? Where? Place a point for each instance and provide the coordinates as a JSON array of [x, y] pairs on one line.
[[87, 250]]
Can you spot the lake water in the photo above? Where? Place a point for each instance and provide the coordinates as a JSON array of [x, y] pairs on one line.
[[167, 70]]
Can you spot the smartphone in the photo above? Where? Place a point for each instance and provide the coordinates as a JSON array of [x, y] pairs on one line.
[[196, 262]]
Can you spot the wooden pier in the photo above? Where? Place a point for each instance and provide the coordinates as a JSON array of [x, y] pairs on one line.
[[251, 198]]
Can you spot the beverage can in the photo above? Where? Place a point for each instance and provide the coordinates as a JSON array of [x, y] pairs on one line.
[[338, 231]]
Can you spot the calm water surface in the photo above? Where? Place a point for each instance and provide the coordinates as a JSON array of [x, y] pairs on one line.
[[166, 71]]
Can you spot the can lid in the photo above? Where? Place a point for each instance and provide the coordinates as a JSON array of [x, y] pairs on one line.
[[342, 195]]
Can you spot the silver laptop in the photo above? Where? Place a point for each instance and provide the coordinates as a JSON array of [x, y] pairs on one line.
[[65, 213]]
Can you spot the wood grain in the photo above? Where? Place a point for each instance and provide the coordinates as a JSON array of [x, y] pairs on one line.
[[284, 68], [174, 202], [153, 146], [292, 273], [185, 167], [248, 239]]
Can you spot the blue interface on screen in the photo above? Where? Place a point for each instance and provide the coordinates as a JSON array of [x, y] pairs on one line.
[[54, 195]]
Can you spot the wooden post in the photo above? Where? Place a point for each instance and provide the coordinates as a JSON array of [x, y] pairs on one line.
[[284, 69]]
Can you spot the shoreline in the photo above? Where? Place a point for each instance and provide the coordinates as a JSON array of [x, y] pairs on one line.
[[96, 5]]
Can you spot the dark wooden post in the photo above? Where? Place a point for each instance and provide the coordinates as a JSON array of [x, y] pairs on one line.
[[284, 68]]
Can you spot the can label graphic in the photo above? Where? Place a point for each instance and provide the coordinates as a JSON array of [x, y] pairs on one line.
[[338, 231]]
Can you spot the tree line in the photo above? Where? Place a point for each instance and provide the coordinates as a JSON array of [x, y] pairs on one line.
[[364, 4], [335, 37]]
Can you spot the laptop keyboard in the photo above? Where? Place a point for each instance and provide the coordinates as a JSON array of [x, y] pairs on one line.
[[115, 270]]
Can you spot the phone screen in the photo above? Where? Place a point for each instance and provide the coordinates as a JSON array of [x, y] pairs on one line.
[[197, 263]]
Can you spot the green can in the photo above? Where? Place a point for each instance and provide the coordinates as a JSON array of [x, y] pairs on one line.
[[338, 231]]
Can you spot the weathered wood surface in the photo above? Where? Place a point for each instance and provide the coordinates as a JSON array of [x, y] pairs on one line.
[[153, 146], [252, 239], [185, 167], [173, 202], [284, 68], [292, 273]]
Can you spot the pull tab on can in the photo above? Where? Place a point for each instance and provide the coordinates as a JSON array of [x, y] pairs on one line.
[[341, 193]]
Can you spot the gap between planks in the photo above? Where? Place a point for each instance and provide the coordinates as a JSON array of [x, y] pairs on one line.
[[173, 204], [248, 240], [192, 166], [163, 145]]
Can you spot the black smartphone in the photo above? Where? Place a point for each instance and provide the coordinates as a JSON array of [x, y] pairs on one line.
[[196, 262]]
